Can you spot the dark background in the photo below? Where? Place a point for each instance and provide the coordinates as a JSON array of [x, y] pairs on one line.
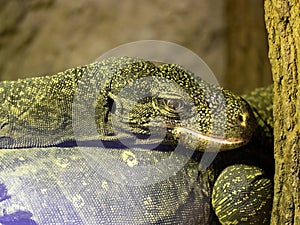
[[45, 37]]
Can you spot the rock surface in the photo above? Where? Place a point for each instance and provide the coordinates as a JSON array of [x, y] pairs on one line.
[[45, 37]]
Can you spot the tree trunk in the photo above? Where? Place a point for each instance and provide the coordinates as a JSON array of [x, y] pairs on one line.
[[283, 26]]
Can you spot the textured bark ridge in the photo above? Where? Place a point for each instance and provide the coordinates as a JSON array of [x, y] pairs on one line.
[[283, 25]]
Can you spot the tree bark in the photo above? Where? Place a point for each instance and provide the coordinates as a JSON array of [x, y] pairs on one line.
[[283, 26]]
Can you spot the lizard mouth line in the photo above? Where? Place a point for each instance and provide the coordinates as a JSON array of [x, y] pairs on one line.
[[210, 138]]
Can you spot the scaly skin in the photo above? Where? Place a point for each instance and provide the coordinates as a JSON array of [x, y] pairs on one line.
[[233, 201], [192, 120], [37, 112]]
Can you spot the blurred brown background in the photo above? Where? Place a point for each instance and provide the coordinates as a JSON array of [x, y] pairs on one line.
[[48, 36]]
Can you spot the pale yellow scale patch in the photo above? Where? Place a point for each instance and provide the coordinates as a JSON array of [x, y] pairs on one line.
[[44, 191], [129, 158], [104, 185], [148, 201], [78, 200], [62, 162]]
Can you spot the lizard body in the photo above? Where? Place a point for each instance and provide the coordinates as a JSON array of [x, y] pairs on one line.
[[38, 120]]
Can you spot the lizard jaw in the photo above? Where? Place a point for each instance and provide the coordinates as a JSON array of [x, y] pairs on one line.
[[196, 138]]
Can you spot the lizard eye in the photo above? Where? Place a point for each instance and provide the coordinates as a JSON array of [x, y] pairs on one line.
[[174, 104]]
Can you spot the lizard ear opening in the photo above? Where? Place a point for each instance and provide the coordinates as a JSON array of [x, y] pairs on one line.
[[111, 105], [109, 108]]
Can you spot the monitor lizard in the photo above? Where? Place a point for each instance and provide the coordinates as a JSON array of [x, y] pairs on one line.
[[45, 169]]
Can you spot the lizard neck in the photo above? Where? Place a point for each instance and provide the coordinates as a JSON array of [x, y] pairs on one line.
[[261, 102]]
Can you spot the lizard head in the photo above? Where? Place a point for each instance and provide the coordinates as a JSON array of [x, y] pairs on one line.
[[166, 104]]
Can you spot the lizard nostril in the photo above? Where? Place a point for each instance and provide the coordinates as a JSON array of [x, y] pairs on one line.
[[242, 119]]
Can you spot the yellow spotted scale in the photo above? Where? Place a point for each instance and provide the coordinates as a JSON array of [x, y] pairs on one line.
[[242, 195]]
